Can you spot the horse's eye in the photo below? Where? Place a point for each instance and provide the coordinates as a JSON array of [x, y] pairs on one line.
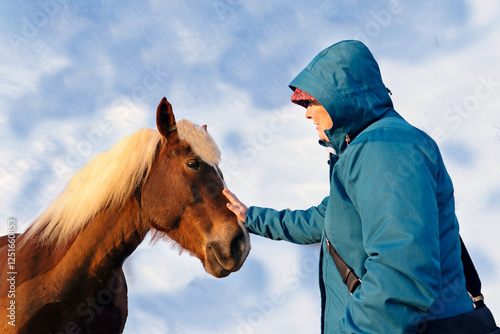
[[194, 164]]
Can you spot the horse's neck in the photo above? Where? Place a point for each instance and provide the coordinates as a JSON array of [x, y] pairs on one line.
[[71, 273], [109, 239], [68, 275], [99, 249]]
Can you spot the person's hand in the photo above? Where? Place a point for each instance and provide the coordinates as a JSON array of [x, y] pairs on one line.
[[238, 208]]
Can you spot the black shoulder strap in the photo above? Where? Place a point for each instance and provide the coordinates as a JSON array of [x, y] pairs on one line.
[[472, 281]]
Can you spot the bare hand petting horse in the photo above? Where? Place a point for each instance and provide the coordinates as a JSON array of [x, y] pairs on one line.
[[235, 205]]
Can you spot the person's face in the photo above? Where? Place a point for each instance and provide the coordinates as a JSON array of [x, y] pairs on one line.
[[320, 117]]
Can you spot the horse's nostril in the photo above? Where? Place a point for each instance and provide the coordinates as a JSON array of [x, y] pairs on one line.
[[242, 246], [238, 245]]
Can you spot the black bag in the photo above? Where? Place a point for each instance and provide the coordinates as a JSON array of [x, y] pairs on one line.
[[478, 321]]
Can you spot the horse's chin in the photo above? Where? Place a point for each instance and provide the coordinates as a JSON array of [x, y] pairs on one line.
[[214, 268], [217, 272]]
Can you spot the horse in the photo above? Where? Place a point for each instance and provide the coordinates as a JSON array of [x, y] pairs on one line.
[[66, 275]]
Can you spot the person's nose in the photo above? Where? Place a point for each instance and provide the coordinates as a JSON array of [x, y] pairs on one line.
[[308, 113]]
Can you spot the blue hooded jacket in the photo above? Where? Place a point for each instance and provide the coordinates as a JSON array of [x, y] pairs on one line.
[[390, 213]]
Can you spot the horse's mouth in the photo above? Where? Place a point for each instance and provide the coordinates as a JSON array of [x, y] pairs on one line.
[[214, 267]]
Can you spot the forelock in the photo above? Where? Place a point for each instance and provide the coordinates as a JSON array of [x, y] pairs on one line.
[[201, 142]]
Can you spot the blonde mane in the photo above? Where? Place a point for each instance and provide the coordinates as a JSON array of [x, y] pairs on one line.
[[110, 179]]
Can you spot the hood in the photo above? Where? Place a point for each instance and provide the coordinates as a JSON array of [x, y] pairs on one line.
[[346, 80]]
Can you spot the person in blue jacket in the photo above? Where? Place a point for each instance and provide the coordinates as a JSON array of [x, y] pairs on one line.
[[390, 213]]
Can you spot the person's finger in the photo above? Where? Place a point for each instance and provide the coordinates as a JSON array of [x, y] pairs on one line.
[[233, 208], [238, 212], [227, 192], [231, 197], [236, 209]]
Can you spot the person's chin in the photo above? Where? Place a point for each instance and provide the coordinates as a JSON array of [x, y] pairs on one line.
[[322, 136]]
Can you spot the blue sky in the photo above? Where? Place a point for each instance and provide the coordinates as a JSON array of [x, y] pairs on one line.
[[75, 78]]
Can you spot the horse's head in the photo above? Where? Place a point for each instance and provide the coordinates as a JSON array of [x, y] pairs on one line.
[[182, 196]]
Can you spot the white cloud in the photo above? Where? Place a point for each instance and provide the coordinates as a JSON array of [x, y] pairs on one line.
[[21, 73], [164, 268], [483, 12], [270, 153]]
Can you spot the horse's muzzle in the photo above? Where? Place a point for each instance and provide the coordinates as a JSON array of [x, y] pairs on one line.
[[227, 252]]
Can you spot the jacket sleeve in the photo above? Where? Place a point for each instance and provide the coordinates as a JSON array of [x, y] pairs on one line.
[[392, 184], [298, 226]]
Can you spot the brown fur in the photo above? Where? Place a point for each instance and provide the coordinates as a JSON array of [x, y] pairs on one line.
[[78, 286]]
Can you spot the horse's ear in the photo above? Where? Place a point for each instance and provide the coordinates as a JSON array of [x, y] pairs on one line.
[[165, 120]]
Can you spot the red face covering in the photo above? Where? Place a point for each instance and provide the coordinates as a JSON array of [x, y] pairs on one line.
[[301, 98]]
